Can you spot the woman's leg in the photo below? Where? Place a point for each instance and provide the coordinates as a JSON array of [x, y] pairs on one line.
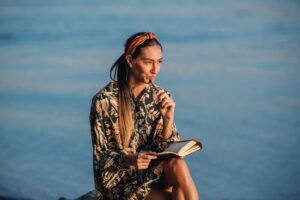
[[176, 177], [156, 194]]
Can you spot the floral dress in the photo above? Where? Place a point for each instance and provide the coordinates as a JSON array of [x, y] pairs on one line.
[[114, 180]]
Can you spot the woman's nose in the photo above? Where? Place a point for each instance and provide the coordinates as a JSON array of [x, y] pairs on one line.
[[155, 67]]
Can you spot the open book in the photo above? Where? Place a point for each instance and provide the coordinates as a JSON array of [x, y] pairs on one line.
[[180, 148]]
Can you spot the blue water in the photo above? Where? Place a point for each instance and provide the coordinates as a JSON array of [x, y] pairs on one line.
[[233, 68]]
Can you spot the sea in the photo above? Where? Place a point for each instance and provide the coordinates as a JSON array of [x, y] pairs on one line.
[[232, 67]]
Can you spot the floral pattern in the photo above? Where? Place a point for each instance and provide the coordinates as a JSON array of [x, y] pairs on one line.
[[114, 180]]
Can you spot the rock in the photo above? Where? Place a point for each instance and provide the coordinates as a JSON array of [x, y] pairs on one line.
[[12, 198], [91, 195]]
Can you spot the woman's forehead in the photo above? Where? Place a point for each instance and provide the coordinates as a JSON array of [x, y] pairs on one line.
[[153, 52]]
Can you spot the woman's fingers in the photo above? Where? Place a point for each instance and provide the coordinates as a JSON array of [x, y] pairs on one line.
[[147, 155], [163, 96], [144, 159], [160, 94], [151, 153], [143, 165], [168, 103], [141, 160], [164, 100]]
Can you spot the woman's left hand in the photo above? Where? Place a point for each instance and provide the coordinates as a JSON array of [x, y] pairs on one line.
[[167, 105]]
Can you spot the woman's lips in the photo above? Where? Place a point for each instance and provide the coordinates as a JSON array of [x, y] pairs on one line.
[[152, 77]]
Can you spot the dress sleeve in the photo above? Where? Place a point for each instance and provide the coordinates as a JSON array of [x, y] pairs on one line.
[[158, 139], [108, 164]]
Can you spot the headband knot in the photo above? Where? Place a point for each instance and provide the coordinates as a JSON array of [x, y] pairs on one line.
[[138, 41]]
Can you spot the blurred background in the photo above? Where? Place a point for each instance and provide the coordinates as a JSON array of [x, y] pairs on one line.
[[233, 68]]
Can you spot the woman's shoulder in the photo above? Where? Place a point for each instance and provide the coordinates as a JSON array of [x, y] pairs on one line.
[[109, 91]]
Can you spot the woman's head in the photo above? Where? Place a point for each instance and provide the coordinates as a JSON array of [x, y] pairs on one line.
[[143, 54], [135, 46]]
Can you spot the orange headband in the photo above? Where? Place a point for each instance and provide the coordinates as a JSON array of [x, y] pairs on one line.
[[138, 41]]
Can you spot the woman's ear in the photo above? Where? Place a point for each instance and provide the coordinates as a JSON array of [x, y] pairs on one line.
[[129, 60]]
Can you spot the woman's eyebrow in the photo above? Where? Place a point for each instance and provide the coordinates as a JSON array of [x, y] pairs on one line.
[[151, 59]]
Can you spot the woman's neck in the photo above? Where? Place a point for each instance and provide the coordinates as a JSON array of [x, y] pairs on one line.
[[136, 87]]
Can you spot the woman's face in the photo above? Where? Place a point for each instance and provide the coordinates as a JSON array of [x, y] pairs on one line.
[[146, 66]]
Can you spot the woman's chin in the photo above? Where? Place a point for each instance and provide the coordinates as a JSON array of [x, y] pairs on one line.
[[147, 81], [152, 79]]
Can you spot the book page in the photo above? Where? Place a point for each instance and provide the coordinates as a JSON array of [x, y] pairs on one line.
[[176, 147], [186, 147], [193, 149], [181, 148]]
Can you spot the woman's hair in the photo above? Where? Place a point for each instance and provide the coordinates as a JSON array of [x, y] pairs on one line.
[[120, 71]]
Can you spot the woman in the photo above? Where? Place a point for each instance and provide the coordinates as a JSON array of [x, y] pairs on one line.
[[131, 119]]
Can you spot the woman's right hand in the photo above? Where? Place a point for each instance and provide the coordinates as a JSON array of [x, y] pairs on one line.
[[140, 160]]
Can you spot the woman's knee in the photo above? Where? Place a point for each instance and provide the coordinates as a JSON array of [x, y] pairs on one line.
[[176, 171], [176, 165]]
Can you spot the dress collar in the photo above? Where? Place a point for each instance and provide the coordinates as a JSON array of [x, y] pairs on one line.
[[141, 95]]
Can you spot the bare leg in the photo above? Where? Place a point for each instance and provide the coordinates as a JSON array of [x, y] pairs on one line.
[[176, 175], [177, 193], [158, 195]]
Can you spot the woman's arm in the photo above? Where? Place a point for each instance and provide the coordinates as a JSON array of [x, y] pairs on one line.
[[167, 109], [165, 130], [108, 164]]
